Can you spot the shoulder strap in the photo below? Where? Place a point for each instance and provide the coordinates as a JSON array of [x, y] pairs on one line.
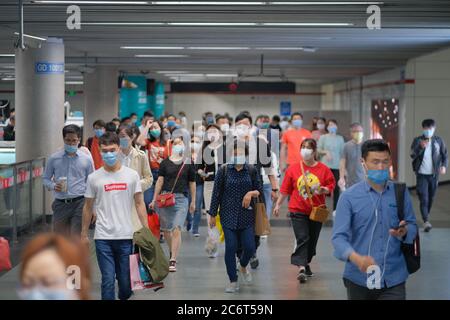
[[89, 143], [178, 176], [223, 172], [308, 191], [400, 199]]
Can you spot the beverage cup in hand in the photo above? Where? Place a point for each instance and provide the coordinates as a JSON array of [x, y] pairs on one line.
[[63, 182]]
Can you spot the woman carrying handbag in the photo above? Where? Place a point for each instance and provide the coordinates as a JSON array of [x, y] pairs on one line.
[[306, 183], [176, 177]]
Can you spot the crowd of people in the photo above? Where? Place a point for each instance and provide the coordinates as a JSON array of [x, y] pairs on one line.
[[220, 166]]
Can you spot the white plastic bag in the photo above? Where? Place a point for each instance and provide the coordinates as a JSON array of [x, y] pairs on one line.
[[212, 242]]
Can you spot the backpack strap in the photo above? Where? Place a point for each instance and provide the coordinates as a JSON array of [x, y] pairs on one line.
[[400, 199]]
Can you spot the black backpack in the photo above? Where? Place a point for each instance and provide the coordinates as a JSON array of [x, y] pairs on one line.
[[411, 252]]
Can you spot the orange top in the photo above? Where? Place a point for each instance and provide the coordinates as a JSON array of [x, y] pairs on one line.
[[96, 154], [293, 140], [157, 153]]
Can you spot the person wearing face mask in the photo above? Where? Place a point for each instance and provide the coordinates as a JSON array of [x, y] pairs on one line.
[[291, 141], [430, 159], [320, 182], [367, 231], [330, 148], [44, 269], [209, 118], [133, 118], [223, 123], [351, 170], [92, 143], [177, 176], [319, 129], [114, 189], [261, 157], [137, 160], [276, 124], [66, 174], [158, 149], [235, 189]]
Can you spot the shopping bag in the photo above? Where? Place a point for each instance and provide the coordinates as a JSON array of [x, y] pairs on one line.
[[262, 225], [139, 275], [153, 223], [212, 242], [219, 228], [5, 260]]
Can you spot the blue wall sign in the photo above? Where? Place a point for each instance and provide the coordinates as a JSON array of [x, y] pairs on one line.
[[285, 108], [49, 68]]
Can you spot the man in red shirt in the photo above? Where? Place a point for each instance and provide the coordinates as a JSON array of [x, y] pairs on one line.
[[291, 141]]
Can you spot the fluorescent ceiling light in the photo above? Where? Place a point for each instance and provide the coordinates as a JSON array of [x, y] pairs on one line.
[[123, 23], [152, 48], [30, 36], [8, 79], [7, 67], [218, 48], [88, 2], [220, 75], [305, 24], [7, 54], [75, 82], [161, 56], [210, 3], [213, 24], [281, 48], [321, 3], [171, 72]]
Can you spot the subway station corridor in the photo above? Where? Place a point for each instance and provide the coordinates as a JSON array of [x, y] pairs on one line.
[[202, 278]]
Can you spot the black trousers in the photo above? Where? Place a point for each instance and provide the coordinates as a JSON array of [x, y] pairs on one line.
[[356, 292], [336, 191], [306, 235], [426, 190]]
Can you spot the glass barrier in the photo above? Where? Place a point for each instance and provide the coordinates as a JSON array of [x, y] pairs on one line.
[[21, 197]]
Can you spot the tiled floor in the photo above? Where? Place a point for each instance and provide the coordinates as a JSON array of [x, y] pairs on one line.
[[199, 277]]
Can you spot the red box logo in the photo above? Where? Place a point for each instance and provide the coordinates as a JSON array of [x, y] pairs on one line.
[[116, 187]]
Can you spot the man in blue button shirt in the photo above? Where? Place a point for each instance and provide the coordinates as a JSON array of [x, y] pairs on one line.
[[367, 233], [66, 174]]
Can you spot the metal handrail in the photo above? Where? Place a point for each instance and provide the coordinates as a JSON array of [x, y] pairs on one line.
[[15, 200]]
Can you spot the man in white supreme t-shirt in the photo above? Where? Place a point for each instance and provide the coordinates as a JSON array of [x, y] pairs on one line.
[[114, 189]]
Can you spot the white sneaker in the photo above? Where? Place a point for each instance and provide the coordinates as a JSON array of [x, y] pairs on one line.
[[263, 237], [246, 275], [232, 287]]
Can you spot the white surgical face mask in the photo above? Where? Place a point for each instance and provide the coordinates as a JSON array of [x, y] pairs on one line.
[[225, 127], [306, 153], [242, 130]]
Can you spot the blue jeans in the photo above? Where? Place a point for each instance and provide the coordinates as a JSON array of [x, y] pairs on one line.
[[426, 190], [113, 258], [148, 194], [267, 188], [195, 221], [246, 237]]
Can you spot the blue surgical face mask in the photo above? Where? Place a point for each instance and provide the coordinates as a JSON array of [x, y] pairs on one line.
[[210, 120], [110, 158], [378, 176], [171, 123], [124, 143], [264, 125], [155, 133], [297, 123], [70, 149], [177, 149], [332, 129], [239, 159], [428, 132], [98, 132], [42, 293]]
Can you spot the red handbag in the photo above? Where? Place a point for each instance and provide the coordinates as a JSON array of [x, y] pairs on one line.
[[153, 223], [5, 260], [168, 199]]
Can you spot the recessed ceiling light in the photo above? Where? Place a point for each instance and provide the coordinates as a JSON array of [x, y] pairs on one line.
[[8, 79], [306, 24], [218, 48], [7, 54], [281, 48], [75, 82]]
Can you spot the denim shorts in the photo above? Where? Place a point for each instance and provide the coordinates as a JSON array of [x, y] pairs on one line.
[[174, 217]]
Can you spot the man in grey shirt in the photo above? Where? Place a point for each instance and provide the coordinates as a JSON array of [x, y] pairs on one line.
[[66, 174], [351, 170]]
